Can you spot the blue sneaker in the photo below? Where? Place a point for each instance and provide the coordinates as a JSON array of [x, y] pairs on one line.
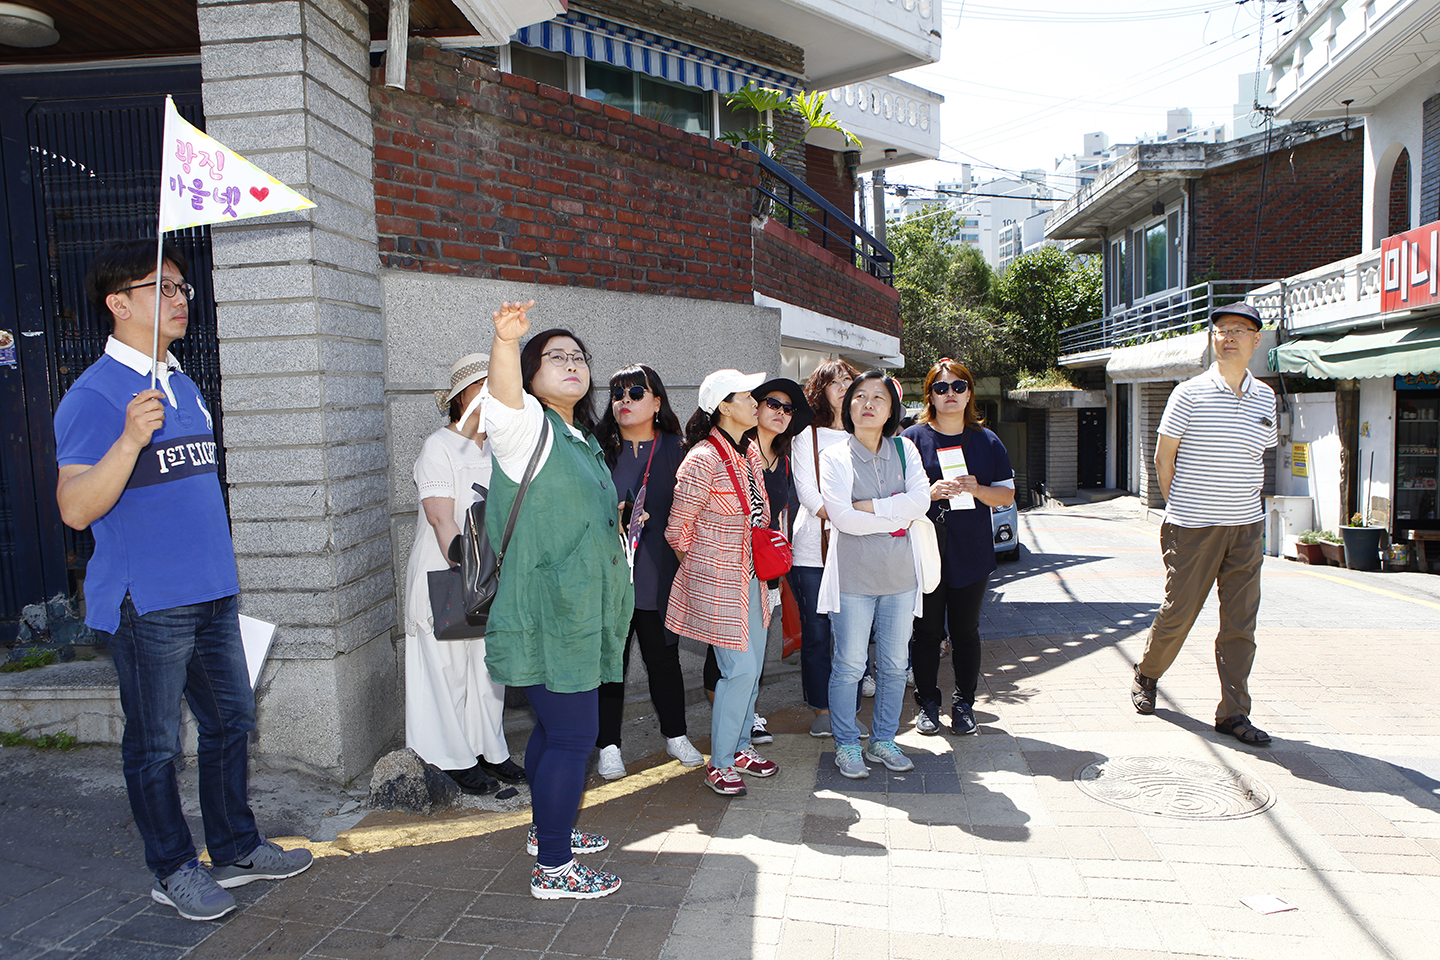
[[266, 862], [193, 892], [847, 758], [889, 753]]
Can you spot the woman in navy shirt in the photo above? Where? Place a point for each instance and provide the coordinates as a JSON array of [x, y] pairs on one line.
[[951, 420]]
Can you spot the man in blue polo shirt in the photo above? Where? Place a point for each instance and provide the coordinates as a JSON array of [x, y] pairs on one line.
[[138, 467], [1210, 460]]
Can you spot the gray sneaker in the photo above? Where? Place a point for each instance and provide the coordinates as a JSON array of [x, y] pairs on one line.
[[266, 862], [864, 730], [193, 892], [847, 758], [888, 752], [820, 726]]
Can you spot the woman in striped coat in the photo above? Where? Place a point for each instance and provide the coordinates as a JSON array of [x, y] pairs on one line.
[[715, 597]]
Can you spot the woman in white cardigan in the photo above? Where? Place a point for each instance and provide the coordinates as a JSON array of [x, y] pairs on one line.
[[873, 486]]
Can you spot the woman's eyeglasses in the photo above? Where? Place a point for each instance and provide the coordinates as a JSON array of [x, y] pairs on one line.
[[786, 408], [562, 359], [635, 390], [940, 387]]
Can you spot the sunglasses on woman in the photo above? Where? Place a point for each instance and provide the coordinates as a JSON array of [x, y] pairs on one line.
[[786, 408], [940, 387], [636, 391]]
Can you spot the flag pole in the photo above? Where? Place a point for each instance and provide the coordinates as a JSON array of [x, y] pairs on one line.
[[155, 337]]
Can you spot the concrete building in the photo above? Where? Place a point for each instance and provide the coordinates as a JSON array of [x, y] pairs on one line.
[[1182, 227], [1360, 330], [482, 152]]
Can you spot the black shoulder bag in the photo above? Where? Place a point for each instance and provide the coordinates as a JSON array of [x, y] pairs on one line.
[[460, 597]]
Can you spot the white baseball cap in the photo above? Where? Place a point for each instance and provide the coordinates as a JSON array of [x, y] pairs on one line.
[[722, 383]]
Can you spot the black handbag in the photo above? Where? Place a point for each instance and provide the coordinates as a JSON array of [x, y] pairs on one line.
[[460, 597]]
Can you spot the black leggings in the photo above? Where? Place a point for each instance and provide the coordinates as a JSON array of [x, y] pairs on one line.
[[667, 686], [957, 608]]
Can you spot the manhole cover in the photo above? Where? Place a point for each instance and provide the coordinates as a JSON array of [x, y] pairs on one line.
[[1175, 787]]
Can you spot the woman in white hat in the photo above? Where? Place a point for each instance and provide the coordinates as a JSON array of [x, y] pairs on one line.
[[716, 599], [452, 707]]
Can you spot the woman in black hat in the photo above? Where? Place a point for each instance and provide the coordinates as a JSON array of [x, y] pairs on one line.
[[783, 413]]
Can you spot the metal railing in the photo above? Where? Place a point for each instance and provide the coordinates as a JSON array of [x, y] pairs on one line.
[[1168, 315], [836, 229]]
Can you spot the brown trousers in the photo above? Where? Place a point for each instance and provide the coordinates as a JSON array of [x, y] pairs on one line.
[[1195, 560]]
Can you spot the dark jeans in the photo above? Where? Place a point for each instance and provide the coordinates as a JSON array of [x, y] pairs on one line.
[[667, 686], [555, 758], [815, 643], [958, 609], [194, 652]]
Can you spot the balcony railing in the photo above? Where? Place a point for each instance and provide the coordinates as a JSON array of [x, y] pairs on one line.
[[1336, 293], [837, 232], [1170, 314]]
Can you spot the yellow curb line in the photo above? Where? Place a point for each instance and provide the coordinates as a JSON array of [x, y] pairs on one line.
[[422, 831], [1362, 586]]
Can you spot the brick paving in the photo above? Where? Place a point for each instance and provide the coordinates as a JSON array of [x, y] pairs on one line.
[[989, 849]]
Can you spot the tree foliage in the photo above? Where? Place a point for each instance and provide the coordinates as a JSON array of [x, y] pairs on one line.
[[953, 305]]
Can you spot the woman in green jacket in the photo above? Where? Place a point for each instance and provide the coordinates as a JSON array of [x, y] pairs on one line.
[[559, 619]]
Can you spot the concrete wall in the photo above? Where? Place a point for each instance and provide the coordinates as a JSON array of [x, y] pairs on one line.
[[431, 321], [285, 83], [1313, 420]]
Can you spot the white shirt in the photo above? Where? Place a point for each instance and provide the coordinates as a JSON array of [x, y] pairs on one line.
[[805, 545], [514, 433], [1220, 463], [140, 363]]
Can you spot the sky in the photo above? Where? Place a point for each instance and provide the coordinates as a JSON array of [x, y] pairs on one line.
[[1024, 80]]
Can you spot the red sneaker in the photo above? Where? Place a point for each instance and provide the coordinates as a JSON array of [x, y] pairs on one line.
[[748, 761], [724, 781]]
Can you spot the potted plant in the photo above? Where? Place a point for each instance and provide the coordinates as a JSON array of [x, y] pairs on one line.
[[1307, 547], [1362, 544], [1332, 548]]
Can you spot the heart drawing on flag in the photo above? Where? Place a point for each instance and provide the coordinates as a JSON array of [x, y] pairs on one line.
[[260, 193]]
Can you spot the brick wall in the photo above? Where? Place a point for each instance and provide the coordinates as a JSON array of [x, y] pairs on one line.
[[1311, 215], [485, 174], [826, 174], [701, 29], [1399, 218], [792, 268]]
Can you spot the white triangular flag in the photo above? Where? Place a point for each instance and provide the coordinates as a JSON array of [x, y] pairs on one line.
[[204, 181]]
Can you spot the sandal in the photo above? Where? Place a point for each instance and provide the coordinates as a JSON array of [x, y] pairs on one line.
[[1243, 730]]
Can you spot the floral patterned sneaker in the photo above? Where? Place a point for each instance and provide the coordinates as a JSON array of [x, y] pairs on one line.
[[579, 842], [579, 882]]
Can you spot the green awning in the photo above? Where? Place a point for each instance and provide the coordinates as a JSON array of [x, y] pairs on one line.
[[1400, 349]]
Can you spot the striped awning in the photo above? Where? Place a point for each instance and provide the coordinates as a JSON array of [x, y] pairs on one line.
[[583, 35]]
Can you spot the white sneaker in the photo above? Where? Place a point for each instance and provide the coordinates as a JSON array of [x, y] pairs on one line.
[[867, 686], [683, 750], [909, 676], [612, 765]]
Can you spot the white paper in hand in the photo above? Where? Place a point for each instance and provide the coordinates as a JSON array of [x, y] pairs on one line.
[[952, 465], [256, 636]]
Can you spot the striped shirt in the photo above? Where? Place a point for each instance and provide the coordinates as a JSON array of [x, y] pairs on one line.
[[1220, 464]]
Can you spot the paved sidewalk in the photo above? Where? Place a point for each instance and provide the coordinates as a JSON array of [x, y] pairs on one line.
[[991, 848]]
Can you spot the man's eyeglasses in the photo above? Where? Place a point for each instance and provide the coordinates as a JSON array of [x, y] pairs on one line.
[[635, 390], [940, 387], [562, 359], [1235, 333], [786, 408], [168, 288]]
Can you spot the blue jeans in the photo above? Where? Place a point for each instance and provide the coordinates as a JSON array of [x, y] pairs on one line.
[[814, 638], [889, 618], [194, 651], [566, 725], [739, 684]]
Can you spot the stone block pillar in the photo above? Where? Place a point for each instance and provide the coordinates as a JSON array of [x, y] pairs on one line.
[[286, 84], [1062, 452]]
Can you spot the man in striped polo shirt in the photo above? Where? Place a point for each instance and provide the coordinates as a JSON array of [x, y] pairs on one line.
[[1210, 458]]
